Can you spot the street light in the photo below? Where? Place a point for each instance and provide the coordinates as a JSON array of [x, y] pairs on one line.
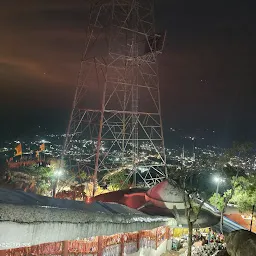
[[57, 173], [218, 180]]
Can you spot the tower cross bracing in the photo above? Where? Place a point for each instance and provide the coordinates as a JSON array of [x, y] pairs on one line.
[[115, 123]]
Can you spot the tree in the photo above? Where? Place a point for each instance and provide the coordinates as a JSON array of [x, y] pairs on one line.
[[228, 166], [118, 180], [192, 210], [245, 192], [188, 180], [42, 177], [217, 200], [192, 182], [220, 201]]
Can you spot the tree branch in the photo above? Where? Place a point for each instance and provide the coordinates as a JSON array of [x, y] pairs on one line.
[[199, 210]]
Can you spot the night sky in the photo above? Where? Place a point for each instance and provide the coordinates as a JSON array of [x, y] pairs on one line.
[[206, 72]]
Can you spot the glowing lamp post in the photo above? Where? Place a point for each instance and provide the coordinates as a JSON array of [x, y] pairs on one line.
[[218, 180], [57, 174]]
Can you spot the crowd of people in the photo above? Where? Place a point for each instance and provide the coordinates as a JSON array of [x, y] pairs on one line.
[[200, 239], [204, 242], [207, 243]]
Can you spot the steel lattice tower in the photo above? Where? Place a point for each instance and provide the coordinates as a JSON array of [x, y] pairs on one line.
[[116, 116]]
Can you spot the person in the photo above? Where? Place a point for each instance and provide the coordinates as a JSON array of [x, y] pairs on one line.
[[203, 241], [209, 235], [198, 243], [213, 236], [221, 237]]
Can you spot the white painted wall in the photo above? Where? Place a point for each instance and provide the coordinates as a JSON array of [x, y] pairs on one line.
[[15, 235], [152, 252]]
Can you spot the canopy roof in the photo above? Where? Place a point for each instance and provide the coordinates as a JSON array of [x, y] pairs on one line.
[[166, 192], [32, 219]]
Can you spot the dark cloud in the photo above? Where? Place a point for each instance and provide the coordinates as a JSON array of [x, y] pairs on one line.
[[42, 41]]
